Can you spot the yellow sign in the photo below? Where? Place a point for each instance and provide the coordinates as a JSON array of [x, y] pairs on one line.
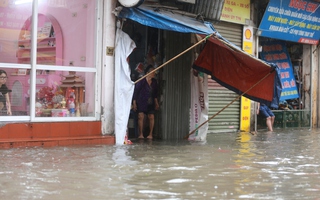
[[236, 11], [247, 47], [247, 39], [245, 114], [248, 33], [245, 102]]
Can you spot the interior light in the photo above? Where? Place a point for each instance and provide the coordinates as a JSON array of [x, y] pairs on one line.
[[17, 2]]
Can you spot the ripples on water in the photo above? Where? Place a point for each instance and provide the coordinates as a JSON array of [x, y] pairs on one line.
[[280, 165]]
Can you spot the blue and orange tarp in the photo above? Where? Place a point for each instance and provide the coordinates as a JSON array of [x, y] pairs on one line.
[[226, 63]]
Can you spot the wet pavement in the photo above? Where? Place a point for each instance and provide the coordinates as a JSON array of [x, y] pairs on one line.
[[280, 165]]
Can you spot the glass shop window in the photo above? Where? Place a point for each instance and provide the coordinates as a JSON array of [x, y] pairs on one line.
[[65, 37]]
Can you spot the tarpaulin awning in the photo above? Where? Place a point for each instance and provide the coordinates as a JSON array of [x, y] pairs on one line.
[[228, 64], [166, 20], [239, 72]]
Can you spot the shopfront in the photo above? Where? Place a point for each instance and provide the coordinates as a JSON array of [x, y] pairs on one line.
[[226, 62], [59, 62], [51, 52], [289, 35], [160, 36], [234, 16]]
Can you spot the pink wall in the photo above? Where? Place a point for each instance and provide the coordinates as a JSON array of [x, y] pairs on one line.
[[74, 25]]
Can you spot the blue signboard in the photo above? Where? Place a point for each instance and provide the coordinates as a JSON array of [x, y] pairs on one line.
[[292, 20], [275, 51]]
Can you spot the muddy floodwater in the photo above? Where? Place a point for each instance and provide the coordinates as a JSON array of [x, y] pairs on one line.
[[280, 165]]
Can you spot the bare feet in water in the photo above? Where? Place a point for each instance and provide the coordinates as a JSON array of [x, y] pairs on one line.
[[149, 137]]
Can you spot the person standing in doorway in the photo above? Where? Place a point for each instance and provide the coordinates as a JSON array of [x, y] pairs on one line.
[[145, 101], [5, 106], [266, 113]]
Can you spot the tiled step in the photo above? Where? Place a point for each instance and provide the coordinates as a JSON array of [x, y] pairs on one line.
[[52, 134], [58, 141]]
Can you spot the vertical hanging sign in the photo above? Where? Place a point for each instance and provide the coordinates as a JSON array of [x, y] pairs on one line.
[[245, 102], [247, 39], [275, 51]]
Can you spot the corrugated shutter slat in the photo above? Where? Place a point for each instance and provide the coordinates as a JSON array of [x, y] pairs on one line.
[[219, 97]]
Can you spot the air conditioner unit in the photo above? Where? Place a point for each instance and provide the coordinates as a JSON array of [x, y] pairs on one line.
[[187, 1]]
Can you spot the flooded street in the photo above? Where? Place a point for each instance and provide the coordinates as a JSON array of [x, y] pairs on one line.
[[280, 165]]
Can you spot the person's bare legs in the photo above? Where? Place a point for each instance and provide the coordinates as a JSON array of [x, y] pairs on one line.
[[269, 123], [272, 120], [151, 125], [140, 124]]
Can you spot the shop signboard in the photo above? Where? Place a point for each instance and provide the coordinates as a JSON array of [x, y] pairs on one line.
[[275, 51], [292, 20], [236, 11]]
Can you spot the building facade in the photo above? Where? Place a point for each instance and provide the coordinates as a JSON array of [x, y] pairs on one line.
[[59, 61]]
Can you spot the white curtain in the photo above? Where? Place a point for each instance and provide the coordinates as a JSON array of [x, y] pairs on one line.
[[124, 87]]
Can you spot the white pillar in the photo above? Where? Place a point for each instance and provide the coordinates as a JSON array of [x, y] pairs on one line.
[[107, 94]]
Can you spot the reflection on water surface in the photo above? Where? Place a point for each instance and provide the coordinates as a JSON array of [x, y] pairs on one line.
[[280, 165]]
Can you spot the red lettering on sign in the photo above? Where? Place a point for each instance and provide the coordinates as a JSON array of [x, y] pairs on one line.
[[278, 47], [287, 75], [276, 57], [311, 7], [268, 57], [298, 4], [286, 84], [285, 65], [283, 56]]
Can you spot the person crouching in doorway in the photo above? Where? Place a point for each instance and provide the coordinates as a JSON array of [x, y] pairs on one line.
[[266, 113], [145, 100]]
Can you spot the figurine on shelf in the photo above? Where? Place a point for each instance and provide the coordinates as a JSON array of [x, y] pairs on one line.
[[56, 99], [71, 98], [63, 103], [71, 104], [38, 107], [78, 110]]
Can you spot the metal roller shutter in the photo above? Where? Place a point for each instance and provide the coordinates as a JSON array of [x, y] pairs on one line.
[[229, 119], [232, 32]]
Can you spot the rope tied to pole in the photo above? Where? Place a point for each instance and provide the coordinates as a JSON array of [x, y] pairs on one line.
[[187, 136]]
